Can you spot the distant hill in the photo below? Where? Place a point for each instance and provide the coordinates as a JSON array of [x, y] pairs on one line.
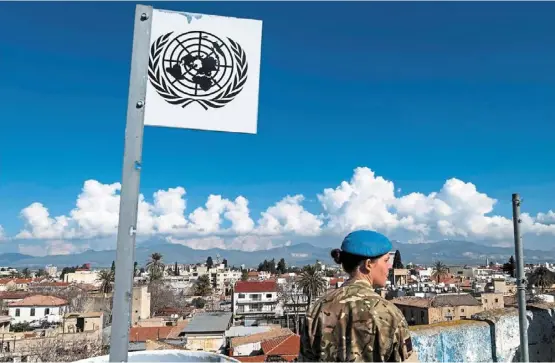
[[450, 252]]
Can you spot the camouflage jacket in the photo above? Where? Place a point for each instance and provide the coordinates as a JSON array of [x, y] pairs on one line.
[[355, 324]]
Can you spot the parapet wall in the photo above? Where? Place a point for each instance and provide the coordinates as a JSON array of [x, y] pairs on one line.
[[492, 336]]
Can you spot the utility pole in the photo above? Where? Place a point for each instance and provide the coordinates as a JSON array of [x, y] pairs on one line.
[[520, 281]]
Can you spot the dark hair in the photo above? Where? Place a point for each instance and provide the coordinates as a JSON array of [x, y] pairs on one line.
[[350, 262]]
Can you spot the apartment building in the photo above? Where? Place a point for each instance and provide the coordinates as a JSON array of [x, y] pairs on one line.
[[254, 301]]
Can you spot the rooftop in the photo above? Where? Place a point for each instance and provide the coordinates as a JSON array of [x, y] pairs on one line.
[[208, 323], [255, 286], [39, 300], [142, 334], [259, 337], [442, 300], [84, 315]]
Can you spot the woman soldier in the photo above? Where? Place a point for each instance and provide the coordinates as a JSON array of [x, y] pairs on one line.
[[353, 323]]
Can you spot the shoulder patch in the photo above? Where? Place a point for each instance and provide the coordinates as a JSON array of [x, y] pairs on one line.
[[408, 344]]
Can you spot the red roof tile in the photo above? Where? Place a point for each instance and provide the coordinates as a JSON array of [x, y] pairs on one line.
[[142, 334], [255, 286], [39, 300], [287, 345]]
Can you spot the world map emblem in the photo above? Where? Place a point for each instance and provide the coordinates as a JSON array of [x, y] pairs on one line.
[[197, 67]]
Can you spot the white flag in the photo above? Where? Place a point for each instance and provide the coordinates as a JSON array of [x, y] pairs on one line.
[[203, 72]]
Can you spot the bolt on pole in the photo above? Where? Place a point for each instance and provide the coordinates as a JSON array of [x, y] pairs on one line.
[[520, 281]]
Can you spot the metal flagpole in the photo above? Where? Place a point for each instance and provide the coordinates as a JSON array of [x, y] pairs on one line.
[[520, 281], [129, 196]]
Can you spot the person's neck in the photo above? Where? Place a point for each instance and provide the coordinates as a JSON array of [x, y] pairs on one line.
[[361, 277]]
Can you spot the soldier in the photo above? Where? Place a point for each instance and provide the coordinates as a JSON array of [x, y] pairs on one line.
[[353, 323]]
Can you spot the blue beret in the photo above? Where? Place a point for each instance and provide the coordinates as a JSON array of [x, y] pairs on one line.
[[366, 243]]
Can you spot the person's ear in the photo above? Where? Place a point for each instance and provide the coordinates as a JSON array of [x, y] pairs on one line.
[[367, 265]]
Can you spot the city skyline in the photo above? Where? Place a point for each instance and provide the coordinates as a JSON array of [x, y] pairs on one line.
[[423, 136]]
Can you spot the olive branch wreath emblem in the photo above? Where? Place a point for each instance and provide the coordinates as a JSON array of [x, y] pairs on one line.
[[172, 97]]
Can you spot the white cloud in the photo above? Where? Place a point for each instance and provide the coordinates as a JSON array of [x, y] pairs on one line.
[[2, 234], [54, 247], [458, 211], [289, 216]]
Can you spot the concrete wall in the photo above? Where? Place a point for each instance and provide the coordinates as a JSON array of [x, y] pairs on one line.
[[493, 336]]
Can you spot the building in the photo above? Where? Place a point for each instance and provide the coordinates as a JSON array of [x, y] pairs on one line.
[[51, 270], [443, 307], [253, 301], [399, 276], [275, 349], [206, 331], [14, 284], [83, 276], [492, 300], [5, 323], [83, 322], [140, 306], [37, 308]]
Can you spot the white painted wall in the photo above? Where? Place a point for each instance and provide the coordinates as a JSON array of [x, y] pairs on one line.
[[39, 313]]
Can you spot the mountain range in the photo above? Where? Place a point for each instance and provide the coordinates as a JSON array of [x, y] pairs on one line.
[[449, 252]]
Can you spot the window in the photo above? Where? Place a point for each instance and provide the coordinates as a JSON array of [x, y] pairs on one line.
[[46, 311], [241, 296], [32, 311], [269, 296], [256, 296], [486, 301], [462, 310], [496, 300], [17, 312]]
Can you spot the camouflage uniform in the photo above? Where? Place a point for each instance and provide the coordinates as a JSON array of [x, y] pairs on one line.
[[355, 324]]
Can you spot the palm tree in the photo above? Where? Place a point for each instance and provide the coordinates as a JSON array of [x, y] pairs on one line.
[[155, 266], [106, 278], [440, 270], [312, 282]]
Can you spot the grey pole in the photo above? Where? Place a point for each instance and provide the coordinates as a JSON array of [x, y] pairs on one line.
[[520, 281], [129, 196]]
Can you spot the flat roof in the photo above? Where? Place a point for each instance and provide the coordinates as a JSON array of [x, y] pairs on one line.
[[208, 323]]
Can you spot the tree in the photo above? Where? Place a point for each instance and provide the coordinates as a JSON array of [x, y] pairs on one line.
[[281, 266], [209, 262], [113, 268], [155, 266], [542, 277], [161, 296], [244, 275], [106, 278], [510, 267], [176, 269], [198, 302], [312, 282], [293, 299], [440, 270], [225, 263], [26, 272], [397, 263], [202, 286]]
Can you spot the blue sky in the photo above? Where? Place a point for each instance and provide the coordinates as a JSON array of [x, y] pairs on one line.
[[419, 93]]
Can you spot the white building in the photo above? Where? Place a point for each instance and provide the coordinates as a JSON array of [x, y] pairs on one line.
[[37, 308], [255, 300], [83, 277], [51, 270]]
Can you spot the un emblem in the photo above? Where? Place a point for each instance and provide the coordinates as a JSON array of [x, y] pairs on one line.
[[197, 66]]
